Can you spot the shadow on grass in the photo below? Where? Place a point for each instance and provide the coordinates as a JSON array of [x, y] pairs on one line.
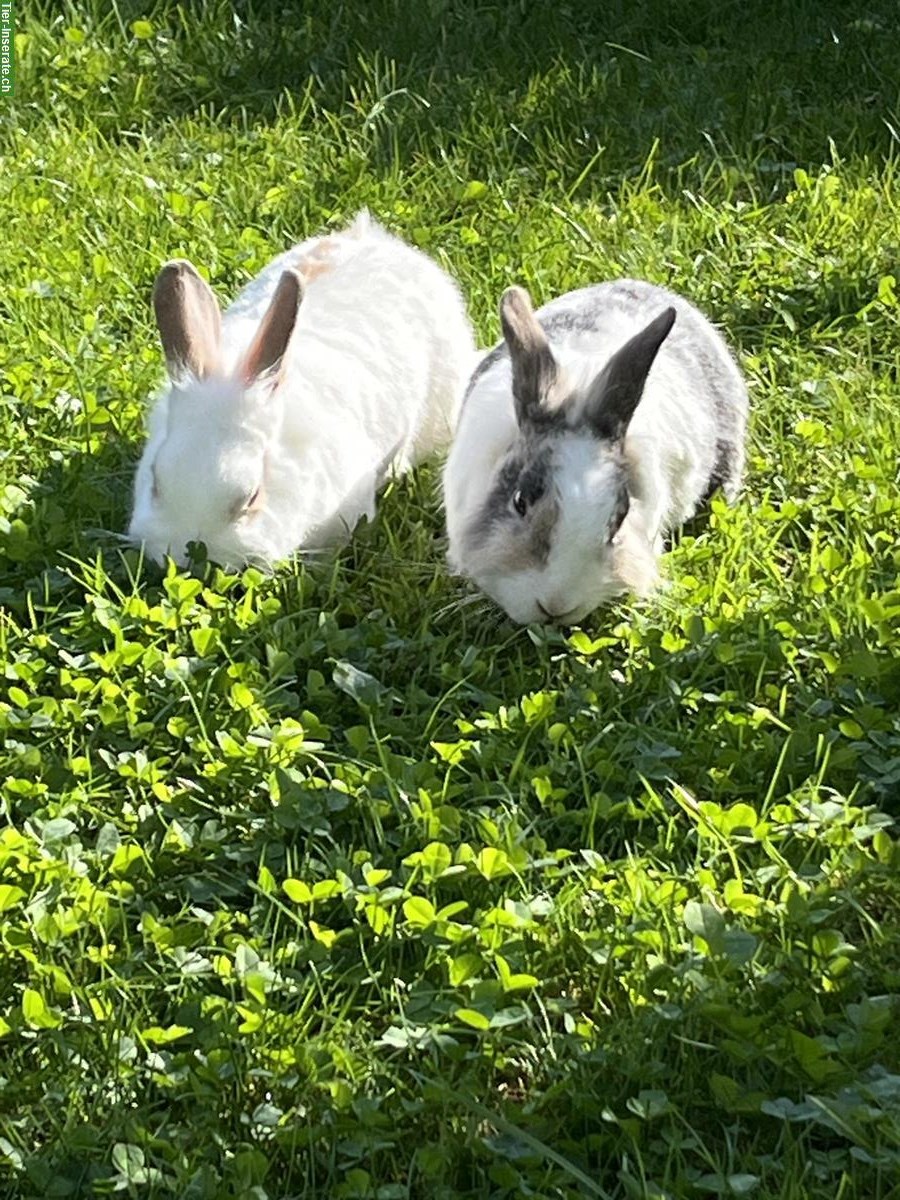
[[79, 505], [768, 85], [715, 726], [728, 715], [706, 713]]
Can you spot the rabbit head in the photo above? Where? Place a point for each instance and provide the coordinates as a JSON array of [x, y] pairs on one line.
[[203, 474], [549, 540]]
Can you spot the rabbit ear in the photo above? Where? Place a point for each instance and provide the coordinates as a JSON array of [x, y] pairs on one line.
[[188, 320], [534, 369], [276, 327], [615, 393]]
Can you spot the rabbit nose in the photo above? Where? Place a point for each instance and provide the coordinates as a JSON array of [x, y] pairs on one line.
[[559, 613]]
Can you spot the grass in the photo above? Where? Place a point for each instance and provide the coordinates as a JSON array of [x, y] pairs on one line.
[[329, 884]]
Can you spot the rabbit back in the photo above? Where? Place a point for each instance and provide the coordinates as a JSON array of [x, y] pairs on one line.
[[382, 340]]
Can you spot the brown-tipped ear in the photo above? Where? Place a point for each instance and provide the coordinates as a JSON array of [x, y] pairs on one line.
[[616, 392], [534, 369], [188, 319], [268, 347]]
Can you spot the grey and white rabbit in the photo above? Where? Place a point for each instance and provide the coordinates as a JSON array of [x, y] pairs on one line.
[[598, 424]]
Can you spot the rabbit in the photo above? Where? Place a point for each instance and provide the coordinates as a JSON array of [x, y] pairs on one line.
[[596, 426], [345, 357]]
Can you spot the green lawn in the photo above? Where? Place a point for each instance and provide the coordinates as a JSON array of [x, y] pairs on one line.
[[334, 883]]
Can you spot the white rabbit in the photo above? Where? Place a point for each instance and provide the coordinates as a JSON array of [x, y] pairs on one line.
[[281, 419], [597, 425]]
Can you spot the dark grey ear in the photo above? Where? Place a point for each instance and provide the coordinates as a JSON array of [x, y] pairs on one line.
[[534, 369], [188, 319], [268, 347], [615, 393]]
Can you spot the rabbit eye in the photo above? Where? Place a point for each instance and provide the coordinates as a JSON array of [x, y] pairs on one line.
[[623, 503], [247, 505], [527, 497]]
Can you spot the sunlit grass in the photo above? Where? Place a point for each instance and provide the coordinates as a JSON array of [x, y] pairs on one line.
[[335, 883]]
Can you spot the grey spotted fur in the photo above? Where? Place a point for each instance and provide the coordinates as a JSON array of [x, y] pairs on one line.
[[664, 401]]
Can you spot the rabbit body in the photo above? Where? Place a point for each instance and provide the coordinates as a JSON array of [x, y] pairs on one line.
[[275, 433], [598, 424]]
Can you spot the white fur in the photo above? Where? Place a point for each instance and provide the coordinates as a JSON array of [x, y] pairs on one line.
[[370, 381], [668, 449]]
